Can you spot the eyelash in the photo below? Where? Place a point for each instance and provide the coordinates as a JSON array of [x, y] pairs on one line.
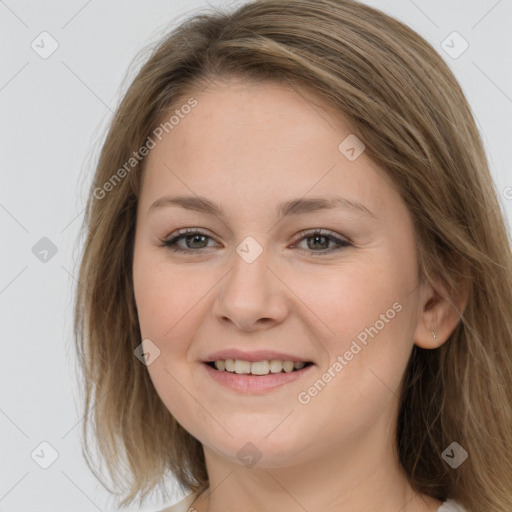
[[183, 233]]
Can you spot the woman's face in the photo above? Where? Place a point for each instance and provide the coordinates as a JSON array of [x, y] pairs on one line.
[[251, 286]]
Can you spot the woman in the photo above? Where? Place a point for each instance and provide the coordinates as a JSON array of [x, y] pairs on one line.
[[296, 288]]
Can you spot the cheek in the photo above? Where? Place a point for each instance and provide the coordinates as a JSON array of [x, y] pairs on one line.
[[165, 308], [161, 297], [347, 299], [367, 319], [171, 302]]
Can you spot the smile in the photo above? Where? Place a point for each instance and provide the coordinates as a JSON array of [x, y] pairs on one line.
[[255, 376], [241, 366]]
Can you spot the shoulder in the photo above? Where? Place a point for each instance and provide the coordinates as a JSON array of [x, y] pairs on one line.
[[183, 505], [451, 506]]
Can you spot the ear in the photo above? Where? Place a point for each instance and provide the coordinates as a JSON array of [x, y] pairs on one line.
[[441, 312]]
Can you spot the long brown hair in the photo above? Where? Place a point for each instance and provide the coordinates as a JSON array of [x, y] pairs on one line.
[[411, 114]]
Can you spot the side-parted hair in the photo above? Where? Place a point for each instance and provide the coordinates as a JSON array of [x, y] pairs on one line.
[[409, 111]]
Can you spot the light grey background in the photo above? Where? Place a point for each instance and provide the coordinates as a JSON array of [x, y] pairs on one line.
[[53, 114]]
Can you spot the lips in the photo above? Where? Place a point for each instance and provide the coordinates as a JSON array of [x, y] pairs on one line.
[[258, 355], [255, 384]]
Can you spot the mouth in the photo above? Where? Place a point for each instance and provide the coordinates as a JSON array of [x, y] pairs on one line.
[[259, 368], [256, 377]]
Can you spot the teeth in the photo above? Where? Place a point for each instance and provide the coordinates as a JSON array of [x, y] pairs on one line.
[[260, 367], [241, 366], [276, 366], [288, 366]]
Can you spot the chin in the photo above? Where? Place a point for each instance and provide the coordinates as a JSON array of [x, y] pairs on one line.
[[254, 449]]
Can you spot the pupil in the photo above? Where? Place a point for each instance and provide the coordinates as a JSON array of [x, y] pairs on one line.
[[195, 237], [316, 237]]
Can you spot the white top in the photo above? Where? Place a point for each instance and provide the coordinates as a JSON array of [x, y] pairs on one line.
[[183, 506], [451, 506]]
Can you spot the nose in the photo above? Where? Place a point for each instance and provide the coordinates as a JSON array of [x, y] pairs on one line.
[[251, 296]]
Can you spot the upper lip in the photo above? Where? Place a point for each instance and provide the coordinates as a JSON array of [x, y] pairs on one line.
[[257, 355]]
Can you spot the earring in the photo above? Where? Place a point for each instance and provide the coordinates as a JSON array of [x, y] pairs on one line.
[[434, 334]]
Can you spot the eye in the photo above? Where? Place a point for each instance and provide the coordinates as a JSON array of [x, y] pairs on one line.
[[191, 236], [320, 239], [195, 241]]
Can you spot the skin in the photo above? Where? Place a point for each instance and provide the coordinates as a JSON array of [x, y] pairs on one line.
[[247, 147]]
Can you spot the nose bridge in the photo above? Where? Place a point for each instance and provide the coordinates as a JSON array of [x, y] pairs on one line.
[[250, 275], [250, 291]]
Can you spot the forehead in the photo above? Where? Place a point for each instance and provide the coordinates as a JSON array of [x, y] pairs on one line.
[[258, 140], [279, 109], [235, 120]]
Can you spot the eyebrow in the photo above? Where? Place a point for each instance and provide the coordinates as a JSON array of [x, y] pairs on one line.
[[291, 207]]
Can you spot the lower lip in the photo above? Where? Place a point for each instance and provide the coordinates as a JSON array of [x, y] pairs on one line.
[[245, 383]]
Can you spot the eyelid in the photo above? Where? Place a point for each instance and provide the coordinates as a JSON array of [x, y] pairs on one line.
[[178, 233], [322, 231], [340, 242], [298, 236], [185, 231]]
